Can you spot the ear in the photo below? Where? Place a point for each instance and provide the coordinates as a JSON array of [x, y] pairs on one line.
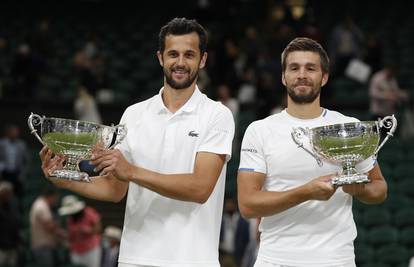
[[203, 60], [160, 59], [325, 79], [283, 79]]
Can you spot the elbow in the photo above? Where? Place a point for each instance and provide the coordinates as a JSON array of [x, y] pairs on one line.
[[246, 212], [201, 197], [116, 199]]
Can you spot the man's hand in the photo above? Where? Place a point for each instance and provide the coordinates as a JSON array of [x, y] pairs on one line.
[[112, 161], [321, 188], [354, 189], [50, 162]]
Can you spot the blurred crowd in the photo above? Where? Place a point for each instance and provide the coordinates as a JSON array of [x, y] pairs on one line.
[[243, 73]]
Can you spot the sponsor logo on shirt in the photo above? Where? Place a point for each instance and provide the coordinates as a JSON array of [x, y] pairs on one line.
[[193, 133], [252, 150]]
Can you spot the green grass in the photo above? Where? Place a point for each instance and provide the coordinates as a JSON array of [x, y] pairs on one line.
[[337, 146], [60, 142]]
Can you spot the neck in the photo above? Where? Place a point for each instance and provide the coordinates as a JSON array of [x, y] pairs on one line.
[[304, 111], [174, 99]]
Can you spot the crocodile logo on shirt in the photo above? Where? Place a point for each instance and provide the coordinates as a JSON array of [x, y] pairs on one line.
[[193, 133]]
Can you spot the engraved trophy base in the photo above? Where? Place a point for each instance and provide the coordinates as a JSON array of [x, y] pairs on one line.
[[350, 179], [72, 175]]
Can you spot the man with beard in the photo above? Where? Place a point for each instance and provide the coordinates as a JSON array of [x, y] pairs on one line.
[[172, 162], [306, 221]]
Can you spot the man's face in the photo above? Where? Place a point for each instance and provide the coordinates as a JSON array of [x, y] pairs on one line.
[[181, 60], [303, 76]]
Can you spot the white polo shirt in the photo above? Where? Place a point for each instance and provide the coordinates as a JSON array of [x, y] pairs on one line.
[[160, 231], [313, 233]]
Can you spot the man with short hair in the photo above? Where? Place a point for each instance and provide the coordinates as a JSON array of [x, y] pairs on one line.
[[306, 220], [172, 162]]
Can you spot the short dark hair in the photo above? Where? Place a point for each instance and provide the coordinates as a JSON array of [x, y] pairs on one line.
[[308, 45], [181, 26]]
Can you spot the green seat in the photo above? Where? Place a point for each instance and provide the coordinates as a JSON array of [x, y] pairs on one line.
[[243, 121], [407, 187], [376, 217], [404, 170], [407, 237], [364, 254], [382, 235], [404, 217], [375, 264], [392, 254], [395, 202]]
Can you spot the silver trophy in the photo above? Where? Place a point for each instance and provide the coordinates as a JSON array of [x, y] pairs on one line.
[[75, 140], [346, 144]]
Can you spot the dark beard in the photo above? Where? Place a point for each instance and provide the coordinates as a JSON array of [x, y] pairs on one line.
[[178, 86], [303, 99]]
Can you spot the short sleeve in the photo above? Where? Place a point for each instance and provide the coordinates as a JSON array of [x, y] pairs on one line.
[[123, 146], [366, 165], [220, 133], [251, 154]]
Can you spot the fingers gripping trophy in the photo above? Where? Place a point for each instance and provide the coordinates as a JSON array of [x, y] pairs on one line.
[[75, 140], [346, 144]]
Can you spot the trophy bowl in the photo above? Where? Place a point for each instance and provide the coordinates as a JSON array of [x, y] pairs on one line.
[[346, 144], [75, 140]]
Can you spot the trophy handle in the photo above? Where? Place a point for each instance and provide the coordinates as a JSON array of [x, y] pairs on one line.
[[121, 132], [35, 120], [297, 136], [388, 122]]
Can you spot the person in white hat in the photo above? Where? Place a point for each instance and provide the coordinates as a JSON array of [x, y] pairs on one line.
[[84, 228], [112, 239]]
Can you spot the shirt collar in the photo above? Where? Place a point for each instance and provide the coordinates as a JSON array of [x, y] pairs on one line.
[[189, 106]]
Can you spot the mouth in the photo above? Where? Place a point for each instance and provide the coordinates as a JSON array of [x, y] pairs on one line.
[[302, 87], [179, 73]]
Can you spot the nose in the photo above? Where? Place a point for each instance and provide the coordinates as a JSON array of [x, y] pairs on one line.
[[302, 73], [180, 60]]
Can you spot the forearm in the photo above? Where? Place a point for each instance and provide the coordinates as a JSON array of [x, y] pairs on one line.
[[106, 188], [374, 192], [185, 187], [266, 203]]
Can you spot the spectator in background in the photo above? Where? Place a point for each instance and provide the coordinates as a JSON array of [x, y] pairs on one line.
[[9, 226], [110, 253], [14, 157], [45, 232], [25, 73], [234, 235], [248, 89], [373, 53], [228, 233], [225, 97], [85, 107], [84, 231], [385, 93], [346, 43]]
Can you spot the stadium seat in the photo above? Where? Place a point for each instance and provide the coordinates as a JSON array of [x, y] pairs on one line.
[[392, 254], [407, 237], [404, 217], [395, 202], [363, 254], [382, 235], [375, 264], [376, 217]]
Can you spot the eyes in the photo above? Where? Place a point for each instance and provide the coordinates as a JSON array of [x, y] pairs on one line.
[[308, 67], [187, 54]]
